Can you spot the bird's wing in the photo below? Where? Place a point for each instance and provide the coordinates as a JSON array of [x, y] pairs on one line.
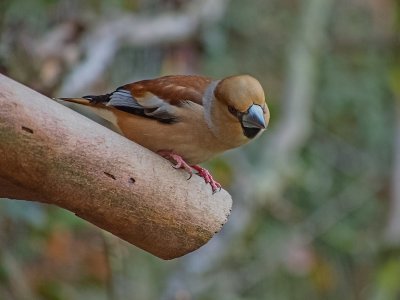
[[155, 98], [171, 89]]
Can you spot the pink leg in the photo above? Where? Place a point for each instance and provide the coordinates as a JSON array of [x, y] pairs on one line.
[[207, 178], [181, 164], [179, 161]]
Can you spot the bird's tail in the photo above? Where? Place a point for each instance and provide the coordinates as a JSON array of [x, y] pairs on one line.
[[88, 100], [94, 104], [82, 101]]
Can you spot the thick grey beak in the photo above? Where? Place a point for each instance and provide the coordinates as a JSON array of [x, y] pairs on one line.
[[254, 117]]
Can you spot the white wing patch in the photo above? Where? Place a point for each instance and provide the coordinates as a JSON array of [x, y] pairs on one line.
[[123, 98], [153, 107]]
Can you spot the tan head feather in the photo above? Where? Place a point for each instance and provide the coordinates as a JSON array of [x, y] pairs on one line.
[[240, 92]]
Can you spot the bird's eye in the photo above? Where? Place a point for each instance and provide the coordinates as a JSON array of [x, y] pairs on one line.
[[233, 111]]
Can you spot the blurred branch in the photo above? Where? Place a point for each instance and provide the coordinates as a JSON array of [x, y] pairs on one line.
[[111, 286], [392, 230], [282, 146], [294, 126], [107, 37], [57, 156], [17, 281]]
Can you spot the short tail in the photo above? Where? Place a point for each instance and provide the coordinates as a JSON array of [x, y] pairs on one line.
[[87, 100], [95, 106], [82, 101]]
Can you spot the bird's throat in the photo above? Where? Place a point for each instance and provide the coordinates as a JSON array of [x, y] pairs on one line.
[[250, 132]]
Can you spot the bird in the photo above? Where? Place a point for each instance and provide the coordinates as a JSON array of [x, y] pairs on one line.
[[187, 119]]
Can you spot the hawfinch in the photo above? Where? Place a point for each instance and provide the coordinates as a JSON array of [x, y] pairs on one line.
[[186, 119]]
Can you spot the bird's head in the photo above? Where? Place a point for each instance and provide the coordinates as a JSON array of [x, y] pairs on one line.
[[241, 99]]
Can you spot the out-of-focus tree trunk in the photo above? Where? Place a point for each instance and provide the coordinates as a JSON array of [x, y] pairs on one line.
[[392, 230], [281, 145]]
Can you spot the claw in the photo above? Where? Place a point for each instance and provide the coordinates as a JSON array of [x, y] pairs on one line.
[[179, 161], [181, 164], [216, 187], [177, 166]]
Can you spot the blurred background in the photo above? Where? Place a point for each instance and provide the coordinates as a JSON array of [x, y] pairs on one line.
[[316, 211]]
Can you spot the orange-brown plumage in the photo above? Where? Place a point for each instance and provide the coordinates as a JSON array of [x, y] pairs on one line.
[[193, 117], [173, 88]]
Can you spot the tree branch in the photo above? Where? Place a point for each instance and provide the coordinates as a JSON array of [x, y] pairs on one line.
[[51, 154]]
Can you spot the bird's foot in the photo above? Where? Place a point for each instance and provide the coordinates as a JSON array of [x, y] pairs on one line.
[[208, 178], [181, 164], [179, 161]]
